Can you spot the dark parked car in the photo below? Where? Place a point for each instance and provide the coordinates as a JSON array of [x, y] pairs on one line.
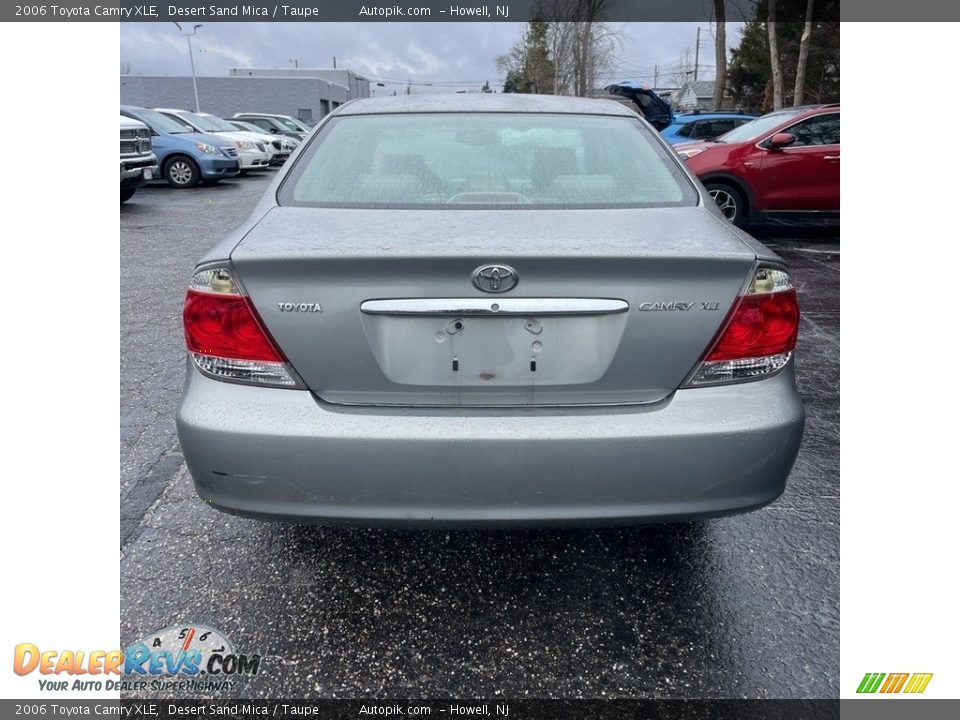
[[275, 124], [785, 163], [651, 106]]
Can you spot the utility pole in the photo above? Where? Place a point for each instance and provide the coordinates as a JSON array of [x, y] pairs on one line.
[[193, 69], [295, 61], [334, 62], [656, 76], [696, 56]]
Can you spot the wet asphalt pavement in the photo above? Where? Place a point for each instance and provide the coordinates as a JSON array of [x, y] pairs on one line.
[[746, 606]]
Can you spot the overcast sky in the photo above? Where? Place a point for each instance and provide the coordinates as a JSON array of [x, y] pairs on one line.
[[462, 55]]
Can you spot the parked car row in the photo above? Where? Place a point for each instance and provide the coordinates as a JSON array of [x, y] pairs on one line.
[[186, 148], [785, 163]]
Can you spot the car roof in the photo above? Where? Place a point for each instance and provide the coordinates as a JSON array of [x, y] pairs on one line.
[[485, 102], [691, 117], [805, 109]]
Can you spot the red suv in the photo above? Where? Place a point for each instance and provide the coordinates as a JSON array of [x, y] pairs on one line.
[[784, 163]]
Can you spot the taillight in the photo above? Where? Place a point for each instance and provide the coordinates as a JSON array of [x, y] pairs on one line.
[[225, 337], [759, 335]]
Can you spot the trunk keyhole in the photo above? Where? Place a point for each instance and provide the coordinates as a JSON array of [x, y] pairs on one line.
[[456, 365], [533, 364]]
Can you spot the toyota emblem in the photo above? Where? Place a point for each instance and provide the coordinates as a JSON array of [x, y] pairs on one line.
[[495, 278]]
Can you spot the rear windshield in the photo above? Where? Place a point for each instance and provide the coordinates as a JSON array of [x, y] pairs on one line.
[[219, 123], [246, 126], [203, 122], [455, 160], [164, 123], [296, 124]]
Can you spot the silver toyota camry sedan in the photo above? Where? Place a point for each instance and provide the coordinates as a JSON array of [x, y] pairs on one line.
[[489, 310]]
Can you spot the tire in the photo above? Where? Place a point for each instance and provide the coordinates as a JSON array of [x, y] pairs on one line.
[[729, 199], [126, 194], [181, 172]]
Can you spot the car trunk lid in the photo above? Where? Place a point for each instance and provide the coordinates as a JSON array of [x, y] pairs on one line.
[[380, 307]]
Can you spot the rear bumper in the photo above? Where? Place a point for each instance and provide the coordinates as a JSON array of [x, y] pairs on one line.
[[283, 454]]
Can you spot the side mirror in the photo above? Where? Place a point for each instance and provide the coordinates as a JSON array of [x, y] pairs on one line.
[[274, 130], [781, 140]]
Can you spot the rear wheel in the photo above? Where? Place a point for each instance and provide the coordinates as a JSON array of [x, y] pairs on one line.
[[181, 172], [126, 194], [728, 199]]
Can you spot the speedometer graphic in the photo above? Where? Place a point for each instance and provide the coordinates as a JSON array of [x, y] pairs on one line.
[[187, 650], [183, 638]]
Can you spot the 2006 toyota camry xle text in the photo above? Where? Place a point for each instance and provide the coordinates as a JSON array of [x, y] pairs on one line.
[[501, 310]]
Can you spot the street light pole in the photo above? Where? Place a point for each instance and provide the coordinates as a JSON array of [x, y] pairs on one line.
[[696, 55], [193, 69]]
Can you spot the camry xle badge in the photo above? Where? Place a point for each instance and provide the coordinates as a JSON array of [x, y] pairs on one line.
[[652, 306], [495, 278], [681, 306]]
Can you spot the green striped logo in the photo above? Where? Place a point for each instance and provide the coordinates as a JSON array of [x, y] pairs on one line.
[[886, 683]]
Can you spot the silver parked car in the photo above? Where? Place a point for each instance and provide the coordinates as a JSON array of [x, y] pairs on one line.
[[499, 310]]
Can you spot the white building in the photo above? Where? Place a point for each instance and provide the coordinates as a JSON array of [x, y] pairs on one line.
[[694, 95], [305, 94]]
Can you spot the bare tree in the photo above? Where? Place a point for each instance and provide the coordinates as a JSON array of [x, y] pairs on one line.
[[799, 87], [683, 70], [720, 45], [776, 71], [514, 59], [560, 40], [584, 55], [581, 48], [594, 50]]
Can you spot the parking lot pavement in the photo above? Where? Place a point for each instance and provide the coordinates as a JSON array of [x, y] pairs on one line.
[[746, 606]]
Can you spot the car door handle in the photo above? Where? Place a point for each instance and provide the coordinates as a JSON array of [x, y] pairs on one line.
[[831, 157]]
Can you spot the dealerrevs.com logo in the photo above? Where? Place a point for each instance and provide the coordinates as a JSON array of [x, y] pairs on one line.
[[909, 683], [192, 658]]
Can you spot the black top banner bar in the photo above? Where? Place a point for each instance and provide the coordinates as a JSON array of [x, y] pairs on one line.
[[489, 709], [470, 10]]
